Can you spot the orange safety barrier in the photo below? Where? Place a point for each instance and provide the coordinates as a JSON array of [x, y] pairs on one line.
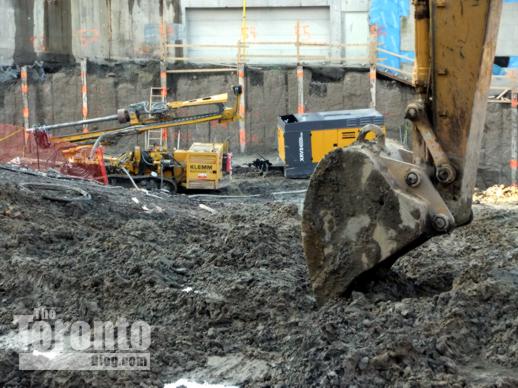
[[100, 160], [42, 154]]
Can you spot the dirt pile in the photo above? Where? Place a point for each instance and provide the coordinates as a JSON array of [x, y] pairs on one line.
[[228, 299], [444, 316], [498, 194]]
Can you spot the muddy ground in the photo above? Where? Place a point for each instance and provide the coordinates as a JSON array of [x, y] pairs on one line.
[[227, 296]]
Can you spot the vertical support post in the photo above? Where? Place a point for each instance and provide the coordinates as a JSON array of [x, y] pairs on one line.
[[84, 92], [241, 61], [373, 54], [300, 89], [100, 159], [163, 79], [163, 93], [242, 109], [300, 72], [297, 41], [514, 137], [25, 101], [244, 36], [164, 54]]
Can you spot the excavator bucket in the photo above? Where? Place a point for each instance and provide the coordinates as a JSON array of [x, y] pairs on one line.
[[365, 206]]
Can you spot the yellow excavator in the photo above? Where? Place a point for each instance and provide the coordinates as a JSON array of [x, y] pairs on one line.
[[204, 166], [370, 203]]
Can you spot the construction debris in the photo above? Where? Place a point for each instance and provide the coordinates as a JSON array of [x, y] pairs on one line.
[[209, 209], [497, 194]]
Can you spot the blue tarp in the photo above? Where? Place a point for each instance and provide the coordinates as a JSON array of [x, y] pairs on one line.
[[386, 15]]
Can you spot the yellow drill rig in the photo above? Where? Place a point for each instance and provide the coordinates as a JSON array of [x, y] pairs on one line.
[[370, 203], [205, 166]]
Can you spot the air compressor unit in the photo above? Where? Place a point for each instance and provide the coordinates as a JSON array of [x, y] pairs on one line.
[[304, 139]]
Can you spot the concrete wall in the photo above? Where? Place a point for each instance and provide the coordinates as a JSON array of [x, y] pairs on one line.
[[337, 11], [61, 30], [120, 30], [7, 32], [508, 37], [264, 24]]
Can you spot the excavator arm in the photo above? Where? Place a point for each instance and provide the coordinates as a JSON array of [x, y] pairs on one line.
[[462, 40], [368, 204]]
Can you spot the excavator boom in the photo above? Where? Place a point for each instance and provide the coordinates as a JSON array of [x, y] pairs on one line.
[[372, 202]]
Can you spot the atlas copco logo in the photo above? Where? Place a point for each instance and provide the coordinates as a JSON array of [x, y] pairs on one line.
[[48, 343], [301, 147]]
